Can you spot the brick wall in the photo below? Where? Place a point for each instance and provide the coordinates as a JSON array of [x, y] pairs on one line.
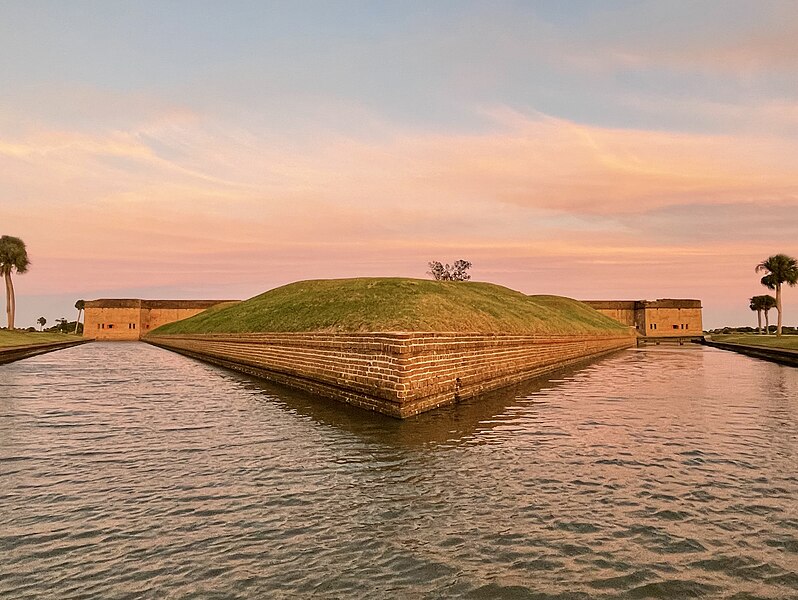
[[655, 318], [130, 319], [122, 323], [399, 374], [668, 322]]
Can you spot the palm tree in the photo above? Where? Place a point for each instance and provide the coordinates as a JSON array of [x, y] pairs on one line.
[[780, 268], [768, 302], [80, 305], [13, 257], [755, 303], [42, 322]]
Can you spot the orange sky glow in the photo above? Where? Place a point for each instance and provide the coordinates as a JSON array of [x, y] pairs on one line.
[[215, 192]]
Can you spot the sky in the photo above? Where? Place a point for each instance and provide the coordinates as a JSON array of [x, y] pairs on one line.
[[597, 150]]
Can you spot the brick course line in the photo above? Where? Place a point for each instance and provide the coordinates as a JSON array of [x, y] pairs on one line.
[[399, 374]]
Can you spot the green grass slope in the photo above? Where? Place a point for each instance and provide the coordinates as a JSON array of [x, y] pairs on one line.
[[397, 304], [9, 339], [785, 342]]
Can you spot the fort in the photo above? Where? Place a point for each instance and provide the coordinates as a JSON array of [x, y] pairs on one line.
[[132, 319], [655, 320], [392, 345]]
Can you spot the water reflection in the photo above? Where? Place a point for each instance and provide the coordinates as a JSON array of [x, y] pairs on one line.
[[449, 425], [127, 470]]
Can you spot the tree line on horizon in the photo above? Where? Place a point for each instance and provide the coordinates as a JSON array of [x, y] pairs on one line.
[[778, 269]]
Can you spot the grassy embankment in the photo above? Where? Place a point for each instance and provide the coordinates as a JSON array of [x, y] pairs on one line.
[[9, 339], [398, 304], [785, 342]]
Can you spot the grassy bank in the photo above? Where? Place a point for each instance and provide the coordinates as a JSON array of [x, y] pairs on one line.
[[9, 339], [785, 342], [398, 304]]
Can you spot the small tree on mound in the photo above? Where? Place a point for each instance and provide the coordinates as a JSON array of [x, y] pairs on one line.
[[42, 322], [455, 272]]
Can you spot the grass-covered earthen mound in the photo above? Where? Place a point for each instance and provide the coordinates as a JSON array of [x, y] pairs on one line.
[[397, 304]]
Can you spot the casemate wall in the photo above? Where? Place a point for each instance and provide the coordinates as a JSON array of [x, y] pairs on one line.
[[666, 317], [131, 319]]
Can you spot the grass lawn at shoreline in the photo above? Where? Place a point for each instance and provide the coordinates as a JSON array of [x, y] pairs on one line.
[[9, 339], [785, 342], [399, 304]]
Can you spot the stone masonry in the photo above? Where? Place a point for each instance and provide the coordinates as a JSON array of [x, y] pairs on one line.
[[399, 374], [664, 318], [131, 319]]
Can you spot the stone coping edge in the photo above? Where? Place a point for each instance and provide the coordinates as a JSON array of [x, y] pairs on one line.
[[15, 353], [778, 355], [397, 377]]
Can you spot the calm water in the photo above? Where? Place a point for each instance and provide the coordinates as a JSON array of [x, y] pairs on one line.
[[127, 471]]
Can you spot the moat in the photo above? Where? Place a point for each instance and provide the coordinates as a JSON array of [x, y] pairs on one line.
[[128, 471]]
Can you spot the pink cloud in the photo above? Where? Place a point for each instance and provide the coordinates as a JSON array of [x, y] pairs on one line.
[[537, 203]]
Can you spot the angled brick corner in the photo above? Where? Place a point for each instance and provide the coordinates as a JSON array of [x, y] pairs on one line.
[[399, 374]]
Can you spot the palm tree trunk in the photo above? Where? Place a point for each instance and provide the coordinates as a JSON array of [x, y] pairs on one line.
[[10, 302], [778, 308], [767, 322], [759, 321], [77, 322]]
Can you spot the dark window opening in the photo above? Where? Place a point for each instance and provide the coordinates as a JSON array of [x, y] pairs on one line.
[[110, 325], [676, 327]]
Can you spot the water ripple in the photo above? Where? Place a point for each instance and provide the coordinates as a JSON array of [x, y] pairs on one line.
[[131, 472]]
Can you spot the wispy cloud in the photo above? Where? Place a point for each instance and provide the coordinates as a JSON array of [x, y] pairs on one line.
[[188, 201], [593, 149]]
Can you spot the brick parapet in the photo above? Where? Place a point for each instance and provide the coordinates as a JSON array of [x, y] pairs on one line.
[[400, 374]]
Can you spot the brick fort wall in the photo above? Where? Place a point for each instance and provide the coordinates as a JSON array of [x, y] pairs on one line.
[[130, 319], [399, 374], [655, 318]]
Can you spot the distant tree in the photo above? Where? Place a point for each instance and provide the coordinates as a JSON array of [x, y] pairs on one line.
[[755, 303], [779, 269], [459, 271], [762, 304], [456, 272], [42, 322], [62, 324], [80, 305], [13, 257], [768, 303], [438, 271]]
